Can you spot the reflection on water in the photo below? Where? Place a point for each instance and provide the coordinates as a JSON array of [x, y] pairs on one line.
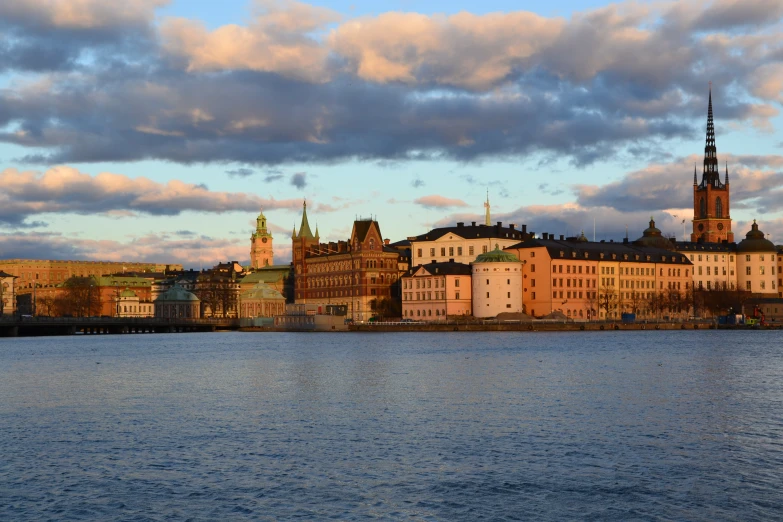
[[631, 425]]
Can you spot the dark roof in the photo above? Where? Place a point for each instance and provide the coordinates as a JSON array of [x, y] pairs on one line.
[[472, 232], [703, 246], [652, 237], [363, 227], [406, 244], [574, 249], [3, 274], [755, 241], [447, 268]]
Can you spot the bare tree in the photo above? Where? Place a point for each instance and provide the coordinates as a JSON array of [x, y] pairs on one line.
[[607, 299], [80, 298]]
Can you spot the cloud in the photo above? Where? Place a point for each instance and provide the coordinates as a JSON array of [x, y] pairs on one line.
[[240, 173], [297, 85], [299, 180], [64, 189], [417, 183], [434, 201]]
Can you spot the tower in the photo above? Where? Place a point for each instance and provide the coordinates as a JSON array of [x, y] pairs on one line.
[[711, 219], [300, 242], [261, 251], [487, 217]]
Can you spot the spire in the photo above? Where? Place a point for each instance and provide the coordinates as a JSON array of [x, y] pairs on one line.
[[710, 175], [304, 228], [695, 181], [487, 217], [317, 235], [293, 234], [727, 174]]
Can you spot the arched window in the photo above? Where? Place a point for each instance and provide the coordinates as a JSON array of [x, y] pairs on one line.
[[702, 208], [718, 208]]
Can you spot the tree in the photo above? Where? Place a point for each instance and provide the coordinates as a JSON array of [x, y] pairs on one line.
[[591, 304], [80, 297], [4, 291], [607, 299], [386, 307]]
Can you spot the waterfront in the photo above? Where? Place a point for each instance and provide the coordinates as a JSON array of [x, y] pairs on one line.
[[427, 426]]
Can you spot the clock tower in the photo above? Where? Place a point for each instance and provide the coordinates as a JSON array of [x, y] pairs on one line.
[[711, 219], [261, 252]]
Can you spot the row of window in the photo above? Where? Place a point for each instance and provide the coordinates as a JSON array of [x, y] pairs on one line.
[[425, 313], [471, 251], [427, 296], [425, 283], [569, 282]]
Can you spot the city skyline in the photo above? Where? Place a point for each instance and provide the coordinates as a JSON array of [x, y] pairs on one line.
[[158, 131]]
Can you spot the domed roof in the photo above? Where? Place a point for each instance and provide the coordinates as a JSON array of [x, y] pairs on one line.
[[755, 241], [261, 291], [177, 293], [497, 256], [582, 238], [128, 293], [652, 237]]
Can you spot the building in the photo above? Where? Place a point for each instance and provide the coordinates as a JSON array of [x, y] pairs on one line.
[[601, 280], [435, 291], [127, 304], [770, 308], [312, 318], [7, 294], [279, 277], [177, 303], [711, 211], [42, 273], [84, 296], [462, 243], [756, 264], [361, 274], [261, 249], [497, 283], [261, 301]]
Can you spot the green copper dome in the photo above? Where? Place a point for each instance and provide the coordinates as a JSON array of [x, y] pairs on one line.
[[497, 256], [177, 293], [755, 241], [128, 293]]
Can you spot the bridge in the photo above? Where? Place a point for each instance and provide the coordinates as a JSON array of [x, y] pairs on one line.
[[43, 326]]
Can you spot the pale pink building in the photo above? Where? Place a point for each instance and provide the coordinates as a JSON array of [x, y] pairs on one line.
[[436, 291]]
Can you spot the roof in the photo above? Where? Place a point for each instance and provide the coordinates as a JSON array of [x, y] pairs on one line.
[[304, 228], [177, 293], [497, 256], [472, 231], [447, 268], [122, 280], [573, 249], [262, 291], [268, 274], [4, 275], [362, 228], [128, 293], [755, 241], [703, 246], [652, 237]]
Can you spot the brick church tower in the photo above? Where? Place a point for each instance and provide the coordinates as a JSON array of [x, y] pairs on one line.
[[300, 244], [261, 252], [711, 219]]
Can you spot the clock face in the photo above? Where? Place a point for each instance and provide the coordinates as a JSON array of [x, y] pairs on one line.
[[720, 226], [263, 240]]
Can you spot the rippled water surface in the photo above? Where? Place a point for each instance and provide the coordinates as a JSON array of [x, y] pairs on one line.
[[458, 426]]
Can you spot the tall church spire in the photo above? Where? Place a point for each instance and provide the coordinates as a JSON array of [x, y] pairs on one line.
[[304, 228], [487, 217], [710, 175]]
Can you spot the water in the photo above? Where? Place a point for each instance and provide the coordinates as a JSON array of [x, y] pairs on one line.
[[465, 426]]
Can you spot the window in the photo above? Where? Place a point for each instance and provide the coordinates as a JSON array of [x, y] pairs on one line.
[[761, 270], [432, 252], [456, 283], [459, 251], [532, 254], [747, 285], [702, 208], [443, 251], [418, 252], [456, 295], [451, 251], [487, 281], [533, 267], [508, 281], [747, 270], [747, 257], [470, 251], [487, 295], [533, 283], [484, 249]]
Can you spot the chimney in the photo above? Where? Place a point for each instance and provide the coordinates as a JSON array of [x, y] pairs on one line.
[[500, 224], [451, 260], [460, 225], [512, 226], [611, 240], [387, 241], [603, 241], [524, 229], [625, 241], [473, 223], [562, 237]]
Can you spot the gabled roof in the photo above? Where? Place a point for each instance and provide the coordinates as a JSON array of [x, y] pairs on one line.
[[473, 231], [362, 228], [447, 268], [4, 275]]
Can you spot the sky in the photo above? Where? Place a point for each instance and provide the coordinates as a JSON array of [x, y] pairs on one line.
[[155, 130]]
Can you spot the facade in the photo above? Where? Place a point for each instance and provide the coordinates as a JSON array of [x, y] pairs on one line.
[[127, 304], [361, 274], [278, 277], [261, 249], [92, 296], [42, 273], [177, 303], [261, 301], [435, 291], [711, 217], [496, 283], [757, 263], [601, 280], [311, 318], [7, 294], [462, 243]]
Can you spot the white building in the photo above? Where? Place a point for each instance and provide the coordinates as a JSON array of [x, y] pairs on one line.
[[127, 304], [461, 244], [756, 263], [497, 283]]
